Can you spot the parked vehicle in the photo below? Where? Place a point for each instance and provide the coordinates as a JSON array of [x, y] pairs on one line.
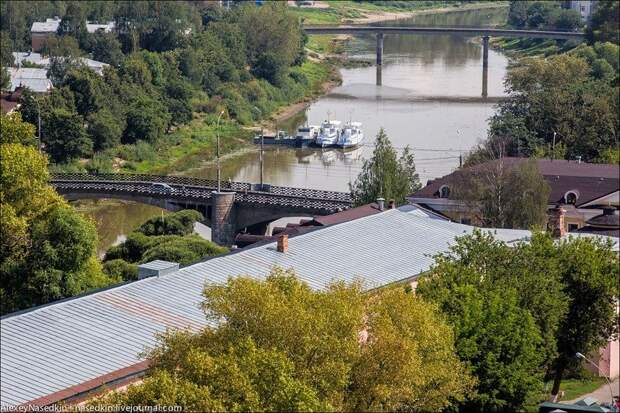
[[162, 187]]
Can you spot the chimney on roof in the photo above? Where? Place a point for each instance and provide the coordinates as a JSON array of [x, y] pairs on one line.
[[283, 243], [555, 225], [392, 204], [579, 159], [381, 203]]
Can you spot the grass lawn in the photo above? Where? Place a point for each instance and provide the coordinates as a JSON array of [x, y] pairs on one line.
[[572, 388]]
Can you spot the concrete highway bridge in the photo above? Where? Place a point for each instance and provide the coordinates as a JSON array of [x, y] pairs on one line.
[[239, 206], [484, 32]]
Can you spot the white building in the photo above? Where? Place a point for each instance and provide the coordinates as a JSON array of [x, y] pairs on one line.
[[585, 8]]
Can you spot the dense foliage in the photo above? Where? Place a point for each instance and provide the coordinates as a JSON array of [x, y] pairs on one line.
[[542, 15], [47, 249], [605, 24], [564, 106], [169, 237], [167, 60], [385, 175], [520, 313], [280, 346]]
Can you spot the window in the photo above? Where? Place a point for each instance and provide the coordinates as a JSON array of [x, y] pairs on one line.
[[444, 192], [573, 227], [466, 221], [571, 197]]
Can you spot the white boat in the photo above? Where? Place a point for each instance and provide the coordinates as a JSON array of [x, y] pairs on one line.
[[328, 134], [308, 132], [351, 135]]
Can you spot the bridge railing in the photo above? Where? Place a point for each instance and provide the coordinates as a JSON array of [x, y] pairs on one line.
[[242, 187], [168, 179]]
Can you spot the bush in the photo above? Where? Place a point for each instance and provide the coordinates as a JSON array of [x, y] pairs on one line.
[[178, 223], [121, 268], [183, 250]]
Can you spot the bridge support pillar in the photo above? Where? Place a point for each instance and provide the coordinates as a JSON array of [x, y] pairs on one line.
[[222, 218], [379, 58], [485, 65]]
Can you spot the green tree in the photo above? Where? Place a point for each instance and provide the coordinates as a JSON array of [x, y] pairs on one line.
[[106, 48], [277, 345], [14, 130], [147, 120], [565, 288], [119, 268], [590, 275], [65, 137], [605, 24], [504, 195], [89, 91], [5, 79], [539, 114], [273, 29], [105, 130], [47, 250], [73, 23], [184, 250], [384, 175], [6, 50], [177, 223]]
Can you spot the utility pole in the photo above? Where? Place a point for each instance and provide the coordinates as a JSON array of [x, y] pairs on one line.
[[219, 169], [39, 116], [553, 147], [262, 157]]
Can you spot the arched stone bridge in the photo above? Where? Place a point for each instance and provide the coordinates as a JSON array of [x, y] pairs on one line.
[[238, 206]]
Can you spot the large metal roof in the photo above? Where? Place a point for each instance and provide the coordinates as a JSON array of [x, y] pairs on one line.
[[57, 346]]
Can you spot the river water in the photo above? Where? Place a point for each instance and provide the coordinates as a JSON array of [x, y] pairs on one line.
[[430, 100]]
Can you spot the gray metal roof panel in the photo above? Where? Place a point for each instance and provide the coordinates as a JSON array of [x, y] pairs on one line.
[[77, 340]]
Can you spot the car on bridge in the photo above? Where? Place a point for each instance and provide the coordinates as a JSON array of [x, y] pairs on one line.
[[162, 187]]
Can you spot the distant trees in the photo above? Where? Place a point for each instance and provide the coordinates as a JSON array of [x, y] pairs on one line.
[[277, 345], [385, 175], [165, 65], [520, 313], [562, 106], [542, 15], [605, 23], [47, 249]]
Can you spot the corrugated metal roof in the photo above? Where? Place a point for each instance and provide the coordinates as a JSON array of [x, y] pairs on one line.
[[34, 79], [53, 347]]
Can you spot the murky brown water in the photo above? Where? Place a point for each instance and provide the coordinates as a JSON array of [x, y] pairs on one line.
[[430, 100]]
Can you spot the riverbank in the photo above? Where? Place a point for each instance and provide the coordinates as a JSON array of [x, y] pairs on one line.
[[350, 12]]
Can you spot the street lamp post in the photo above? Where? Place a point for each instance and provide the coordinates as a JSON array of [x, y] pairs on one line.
[[611, 391], [219, 169], [39, 116], [262, 140]]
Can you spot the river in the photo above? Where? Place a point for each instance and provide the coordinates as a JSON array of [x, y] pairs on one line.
[[430, 100]]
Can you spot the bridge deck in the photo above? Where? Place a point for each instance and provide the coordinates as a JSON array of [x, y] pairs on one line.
[[199, 190], [463, 31]]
